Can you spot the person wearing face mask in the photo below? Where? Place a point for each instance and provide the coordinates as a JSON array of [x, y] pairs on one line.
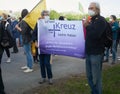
[[94, 47], [45, 66], [115, 27]]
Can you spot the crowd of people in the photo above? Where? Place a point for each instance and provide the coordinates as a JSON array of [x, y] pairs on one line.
[[24, 36], [95, 49], [116, 37]]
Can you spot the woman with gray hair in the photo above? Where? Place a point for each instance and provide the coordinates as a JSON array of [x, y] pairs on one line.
[[45, 65]]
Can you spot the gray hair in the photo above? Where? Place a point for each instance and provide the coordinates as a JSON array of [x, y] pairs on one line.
[[43, 12], [97, 5]]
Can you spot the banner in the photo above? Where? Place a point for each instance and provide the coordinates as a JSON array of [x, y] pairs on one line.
[[61, 38], [33, 16]]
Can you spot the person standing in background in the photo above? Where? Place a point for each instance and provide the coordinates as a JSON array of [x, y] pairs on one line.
[[115, 27], [20, 35], [7, 18], [25, 30], [3, 24], [15, 33]]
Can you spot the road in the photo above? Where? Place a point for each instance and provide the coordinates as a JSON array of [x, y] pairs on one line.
[[17, 82]]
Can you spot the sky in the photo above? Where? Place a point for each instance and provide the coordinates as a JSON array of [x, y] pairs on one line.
[[108, 7]]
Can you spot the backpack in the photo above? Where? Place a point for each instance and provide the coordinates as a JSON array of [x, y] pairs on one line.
[[108, 35], [7, 40]]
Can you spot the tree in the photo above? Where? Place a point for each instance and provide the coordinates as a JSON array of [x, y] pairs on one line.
[[54, 15], [107, 18], [69, 15]]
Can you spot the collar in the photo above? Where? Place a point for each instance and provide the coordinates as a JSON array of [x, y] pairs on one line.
[[95, 17]]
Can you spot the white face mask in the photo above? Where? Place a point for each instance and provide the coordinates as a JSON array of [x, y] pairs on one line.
[[12, 20], [91, 12], [47, 18], [110, 20]]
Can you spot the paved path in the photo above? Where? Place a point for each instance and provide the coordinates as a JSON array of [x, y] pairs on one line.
[[17, 82]]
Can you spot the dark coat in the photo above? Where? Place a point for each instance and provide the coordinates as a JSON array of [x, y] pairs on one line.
[[95, 31], [26, 32], [14, 30], [34, 35]]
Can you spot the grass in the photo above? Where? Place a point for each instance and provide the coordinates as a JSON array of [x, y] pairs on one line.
[[77, 84], [111, 80]]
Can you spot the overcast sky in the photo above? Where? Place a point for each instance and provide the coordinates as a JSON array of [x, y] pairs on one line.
[[108, 7]]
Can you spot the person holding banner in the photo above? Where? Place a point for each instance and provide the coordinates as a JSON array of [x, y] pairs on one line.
[[94, 46], [45, 65]]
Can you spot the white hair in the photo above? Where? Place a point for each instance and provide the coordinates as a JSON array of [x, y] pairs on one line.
[[44, 11], [96, 4]]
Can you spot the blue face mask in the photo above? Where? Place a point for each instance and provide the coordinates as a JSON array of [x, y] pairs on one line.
[[1, 17]]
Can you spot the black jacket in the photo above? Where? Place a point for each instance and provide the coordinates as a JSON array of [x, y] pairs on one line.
[[26, 32], [35, 35], [1, 33], [95, 31], [2, 29]]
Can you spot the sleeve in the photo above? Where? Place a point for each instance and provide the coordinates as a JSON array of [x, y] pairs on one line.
[[9, 30], [34, 35], [115, 27], [97, 28], [0, 31], [24, 26]]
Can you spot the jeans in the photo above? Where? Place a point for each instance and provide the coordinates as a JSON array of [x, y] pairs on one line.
[[15, 47], [107, 53], [114, 50], [27, 48], [7, 52], [1, 81], [45, 66], [94, 72], [20, 39]]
